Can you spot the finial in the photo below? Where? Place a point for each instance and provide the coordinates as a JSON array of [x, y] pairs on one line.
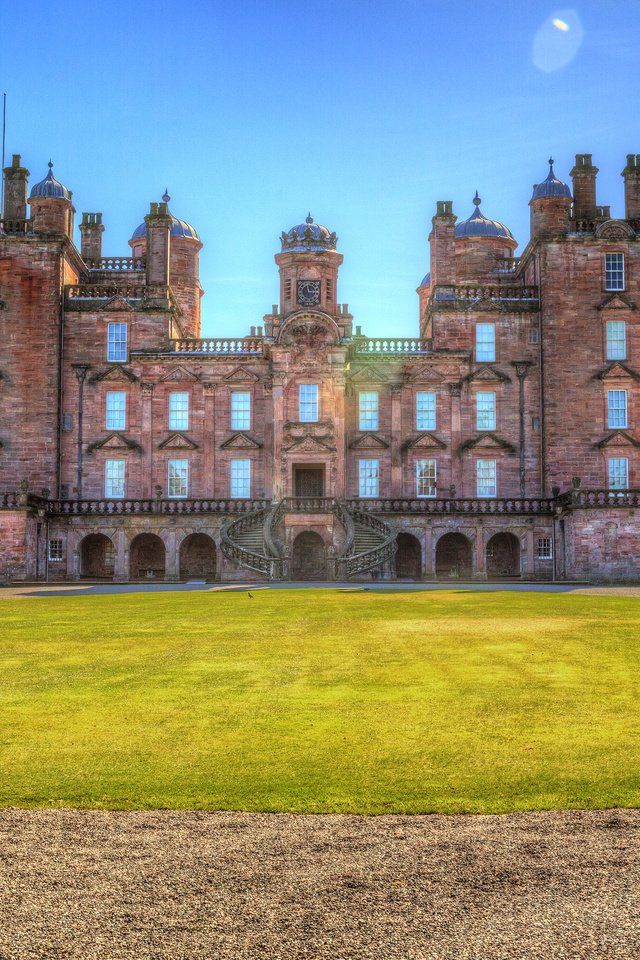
[[551, 162], [477, 200], [50, 164], [165, 195], [309, 218]]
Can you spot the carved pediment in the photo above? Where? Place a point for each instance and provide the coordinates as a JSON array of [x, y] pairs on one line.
[[114, 441], [309, 444], [620, 438], [241, 374], [614, 230], [617, 370], [117, 305], [486, 374], [114, 372], [178, 441], [426, 374], [240, 441], [368, 441], [368, 375], [616, 301], [180, 373], [425, 441], [487, 441]]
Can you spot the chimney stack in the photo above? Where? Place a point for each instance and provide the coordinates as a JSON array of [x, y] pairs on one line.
[[584, 187], [158, 222], [631, 174], [91, 230], [16, 179], [442, 244]]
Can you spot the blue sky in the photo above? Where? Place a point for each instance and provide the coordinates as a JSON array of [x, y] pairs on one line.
[[254, 113]]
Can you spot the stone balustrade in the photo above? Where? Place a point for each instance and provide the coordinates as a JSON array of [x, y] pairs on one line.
[[116, 263], [15, 228], [394, 346], [219, 345]]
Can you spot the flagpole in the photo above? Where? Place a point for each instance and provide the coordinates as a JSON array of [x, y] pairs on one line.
[[4, 131]]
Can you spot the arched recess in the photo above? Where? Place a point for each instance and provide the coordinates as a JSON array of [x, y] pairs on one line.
[[148, 557], [197, 557], [408, 557], [97, 557], [453, 557], [503, 556], [308, 557]]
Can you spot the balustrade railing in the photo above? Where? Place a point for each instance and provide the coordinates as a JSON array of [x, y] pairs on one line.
[[128, 291], [14, 228], [308, 504], [396, 346], [116, 263], [471, 505], [243, 345], [471, 293], [600, 498], [117, 508]]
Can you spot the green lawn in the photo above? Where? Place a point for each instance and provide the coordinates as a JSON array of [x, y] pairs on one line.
[[321, 700]]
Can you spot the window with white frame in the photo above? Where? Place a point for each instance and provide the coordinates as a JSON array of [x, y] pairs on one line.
[[485, 341], [368, 410], [614, 271], [618, 473], [486, 478], [485, 411], [177, 478], [545, 548], [116, 407], [240, 478], [616, 340], [425, 478], [117, 342], [240, 410], [178, 411], [617, 408], [368, 478], [309, 402], [425, 410], [114, 479], [56, 550]]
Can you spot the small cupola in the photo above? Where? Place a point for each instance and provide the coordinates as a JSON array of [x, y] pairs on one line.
[[51, 207], [50, 188], [481, 245], [477, 225], [551, 186], [550, 206]]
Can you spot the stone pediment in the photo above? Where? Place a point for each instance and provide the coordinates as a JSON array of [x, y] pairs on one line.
[[614, 230], [309, 444], [426, 374], [178, 441], [425, 441], [240, 441], [486, 374], [117, 305], [114, 372], [368, 441], [617, 370], [114, 441], [241, 374], [487, 441], [368, 375], [618, 439], [180, 373], [615, 301]]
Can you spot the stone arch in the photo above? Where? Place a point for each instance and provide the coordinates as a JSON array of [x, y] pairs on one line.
[[408, 556], [453, 556], [148, 557], [503, 555], [309, 557], [197, 557], [97, 557]]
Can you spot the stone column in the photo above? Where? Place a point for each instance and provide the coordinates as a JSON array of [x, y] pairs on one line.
[[146, 436], [171, 556], [528, 567], [336, 487], [209, 440], [480, 572], [121, 567], [455, 389], [279, 480], [396, 439], [428, 571]]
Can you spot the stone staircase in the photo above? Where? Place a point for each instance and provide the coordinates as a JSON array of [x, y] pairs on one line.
[[252, 541]]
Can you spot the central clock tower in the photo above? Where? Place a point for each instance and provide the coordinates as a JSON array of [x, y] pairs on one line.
[[309, 264]]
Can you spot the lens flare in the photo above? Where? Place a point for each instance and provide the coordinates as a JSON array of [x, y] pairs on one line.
[[557, 40], [560, 24]]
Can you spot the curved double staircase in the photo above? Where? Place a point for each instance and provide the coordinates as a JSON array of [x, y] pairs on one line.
[[253, 542]]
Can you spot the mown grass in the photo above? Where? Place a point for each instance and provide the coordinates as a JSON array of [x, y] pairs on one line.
[[321, 700]]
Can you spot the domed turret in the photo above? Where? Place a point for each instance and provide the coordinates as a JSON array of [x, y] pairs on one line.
[[477, 225], [50, 188], [179, 228], [51, 207], [308, 236], [550, 204]]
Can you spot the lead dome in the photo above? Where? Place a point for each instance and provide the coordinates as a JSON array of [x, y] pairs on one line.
[[50, 188], [179, 228], [551, 186], [308, 236], [477, 225]]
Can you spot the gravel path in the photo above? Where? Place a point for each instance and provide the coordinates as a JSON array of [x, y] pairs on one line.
[[87, 885]]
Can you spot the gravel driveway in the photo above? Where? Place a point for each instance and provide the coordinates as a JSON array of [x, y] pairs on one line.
[[87, 885]]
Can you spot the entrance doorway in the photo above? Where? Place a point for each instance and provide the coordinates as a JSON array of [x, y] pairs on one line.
[[308, 560], [503, 556], [308, 481], [197, 557], [408, 557], [453, 557]]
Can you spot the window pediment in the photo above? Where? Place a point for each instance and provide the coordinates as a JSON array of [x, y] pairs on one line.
[[180, 373], [240, 441], [425, 441], [620, 438], [114, 441], [178, 441], [487, 441], [617, 370], [368, 441], [486, 374], [114, 372]]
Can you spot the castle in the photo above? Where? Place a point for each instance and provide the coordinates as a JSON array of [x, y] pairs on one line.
[[502, 441]]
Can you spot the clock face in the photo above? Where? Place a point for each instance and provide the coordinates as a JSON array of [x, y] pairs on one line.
[[308, 293]]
